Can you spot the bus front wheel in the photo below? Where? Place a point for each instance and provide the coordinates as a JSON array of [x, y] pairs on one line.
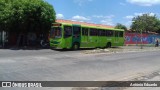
[[75, 46]]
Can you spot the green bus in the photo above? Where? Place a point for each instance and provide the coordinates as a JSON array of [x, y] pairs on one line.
[[75, 36]]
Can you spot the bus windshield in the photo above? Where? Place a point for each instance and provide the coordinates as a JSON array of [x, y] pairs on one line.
[[56, 32]]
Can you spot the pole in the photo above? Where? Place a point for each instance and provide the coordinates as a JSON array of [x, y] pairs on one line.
[[136, 37], [141, 40]]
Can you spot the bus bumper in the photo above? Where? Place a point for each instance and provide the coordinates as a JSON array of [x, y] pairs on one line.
[[55, 46]]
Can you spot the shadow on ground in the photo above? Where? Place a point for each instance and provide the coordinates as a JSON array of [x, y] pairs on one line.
[[42, 48], [81, 49], [25, 48]]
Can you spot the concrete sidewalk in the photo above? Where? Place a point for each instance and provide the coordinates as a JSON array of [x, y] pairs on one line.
[[122, 49], [139, 48]]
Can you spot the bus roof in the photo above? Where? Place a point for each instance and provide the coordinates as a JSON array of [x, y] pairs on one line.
[[82, 23], [97, 27], [88, 25]]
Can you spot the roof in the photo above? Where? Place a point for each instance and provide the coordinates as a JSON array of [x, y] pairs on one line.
[[83, 23]]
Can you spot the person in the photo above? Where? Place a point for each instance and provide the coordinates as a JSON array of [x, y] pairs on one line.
[[157, 43]]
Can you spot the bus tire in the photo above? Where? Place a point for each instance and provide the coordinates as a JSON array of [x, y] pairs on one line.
[[108, 45], [75, 46]]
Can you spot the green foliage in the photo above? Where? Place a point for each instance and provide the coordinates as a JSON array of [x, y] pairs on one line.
[[146, 23], [120, 26], [26, 15]]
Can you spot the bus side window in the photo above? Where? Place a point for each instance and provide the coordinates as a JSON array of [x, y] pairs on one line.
[[116, 33], [101, 32], [93, 32], [109, 33], [67, 31], [96, 32], [121, 34], [104, 33], [85, 31]]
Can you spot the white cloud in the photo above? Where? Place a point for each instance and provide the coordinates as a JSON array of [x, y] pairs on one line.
[[123, 4], [128, 23], [60, 16], [140, 14], [107, 20], [80, 18], [104, 17], [144, 2], [81, 2], [152, 14], [98, 16], [129, 17]]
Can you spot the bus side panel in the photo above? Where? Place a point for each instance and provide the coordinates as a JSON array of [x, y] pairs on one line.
[[67, 42], [118, 38], [121, 41], [102, 41], [93, 41], [84, 42], [112, 41]]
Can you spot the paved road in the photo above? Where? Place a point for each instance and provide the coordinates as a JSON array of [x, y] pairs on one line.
[[51, 65]]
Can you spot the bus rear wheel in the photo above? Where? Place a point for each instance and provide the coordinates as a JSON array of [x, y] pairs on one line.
[[108, 45], [75, 46]]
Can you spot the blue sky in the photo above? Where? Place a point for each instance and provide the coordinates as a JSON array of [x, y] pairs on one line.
[[109, 12]]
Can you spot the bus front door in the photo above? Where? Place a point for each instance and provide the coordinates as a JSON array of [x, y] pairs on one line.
[[76, 36]]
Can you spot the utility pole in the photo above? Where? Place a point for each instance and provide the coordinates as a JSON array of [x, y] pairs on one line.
[[141, 40]]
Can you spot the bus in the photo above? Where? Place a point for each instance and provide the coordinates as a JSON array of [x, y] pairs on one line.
[[75, 36]]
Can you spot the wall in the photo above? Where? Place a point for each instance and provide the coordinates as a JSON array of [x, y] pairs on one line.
[[134, 38]]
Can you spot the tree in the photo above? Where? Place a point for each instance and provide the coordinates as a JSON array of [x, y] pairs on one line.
[[120, 26], [146, 23], [26, 15]]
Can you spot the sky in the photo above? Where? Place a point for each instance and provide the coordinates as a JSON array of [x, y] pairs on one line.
[[108, 12]]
